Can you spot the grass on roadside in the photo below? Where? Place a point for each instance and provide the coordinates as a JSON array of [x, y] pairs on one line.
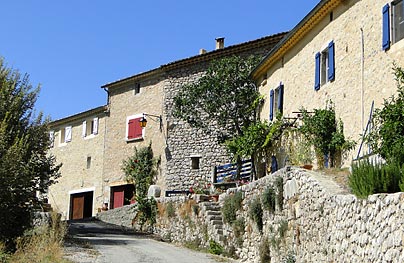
[[44, 244]]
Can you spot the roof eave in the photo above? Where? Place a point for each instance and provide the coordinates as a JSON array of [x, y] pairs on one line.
[[295, 35]]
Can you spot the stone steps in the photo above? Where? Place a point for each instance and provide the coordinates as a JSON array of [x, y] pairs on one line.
[[213, 214]]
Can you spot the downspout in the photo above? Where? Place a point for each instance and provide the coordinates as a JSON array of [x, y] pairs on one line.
[[105, 199], [362, 79]]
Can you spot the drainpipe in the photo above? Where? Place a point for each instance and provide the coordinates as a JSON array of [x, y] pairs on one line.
[[362, 78]]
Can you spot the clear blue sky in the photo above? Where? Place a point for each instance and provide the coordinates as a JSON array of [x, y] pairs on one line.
[[74, 47]]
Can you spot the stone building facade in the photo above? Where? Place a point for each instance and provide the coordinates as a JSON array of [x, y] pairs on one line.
[[350, 35], [187, 155], [78, 143]]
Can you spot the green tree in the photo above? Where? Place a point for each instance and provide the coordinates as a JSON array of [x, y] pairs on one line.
[[387, 137], [224, 100], [25, 166]]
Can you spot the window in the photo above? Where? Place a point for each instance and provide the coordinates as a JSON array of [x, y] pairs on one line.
[[88, 162], [66, 134], [397, 23], [324, 66], [195, 162], [137, 89], [133, 129], [276, 101], [90, 127], [398, 20]]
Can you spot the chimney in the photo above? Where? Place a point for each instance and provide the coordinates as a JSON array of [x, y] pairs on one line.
[[202, 51], [219, 43]]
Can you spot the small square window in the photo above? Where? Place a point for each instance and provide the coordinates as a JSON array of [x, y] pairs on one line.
[[137, 89], [195, 162], [88, 162]]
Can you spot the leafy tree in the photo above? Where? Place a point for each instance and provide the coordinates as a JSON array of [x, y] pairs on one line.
[[25, 166], [223, 98], [387, 137]]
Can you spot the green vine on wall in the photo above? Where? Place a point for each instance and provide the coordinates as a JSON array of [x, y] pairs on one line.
[[140, 169], [325, 133]]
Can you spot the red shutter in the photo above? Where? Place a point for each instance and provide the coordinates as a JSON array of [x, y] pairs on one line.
[[134, 129]]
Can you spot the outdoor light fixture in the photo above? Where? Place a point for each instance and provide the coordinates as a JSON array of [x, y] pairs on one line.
[[143, 120]]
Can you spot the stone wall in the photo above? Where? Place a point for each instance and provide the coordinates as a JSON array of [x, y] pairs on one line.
[[319, 222]]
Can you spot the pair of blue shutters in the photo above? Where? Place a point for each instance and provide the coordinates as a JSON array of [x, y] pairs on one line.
[[386, 27], [272, 101], [331, 65]]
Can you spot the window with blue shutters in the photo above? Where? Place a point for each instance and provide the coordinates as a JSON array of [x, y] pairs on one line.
[[271, 105], [276, 101], [317, 72], [324, 66], [386, 27], [331, 63], [393, 23]]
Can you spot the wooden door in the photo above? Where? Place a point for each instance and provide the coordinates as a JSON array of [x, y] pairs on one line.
[[77, 206], [118, 198]]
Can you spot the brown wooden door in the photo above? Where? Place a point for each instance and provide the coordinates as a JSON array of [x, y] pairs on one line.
[[119, 196], [78, 207]]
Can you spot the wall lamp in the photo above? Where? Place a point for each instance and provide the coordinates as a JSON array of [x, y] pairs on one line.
[[143, 120]]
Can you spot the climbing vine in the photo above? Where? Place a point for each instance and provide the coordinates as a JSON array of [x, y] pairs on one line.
[[325, 133], [140, 169]]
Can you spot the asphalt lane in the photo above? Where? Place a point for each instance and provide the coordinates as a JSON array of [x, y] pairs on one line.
[[115, 244]]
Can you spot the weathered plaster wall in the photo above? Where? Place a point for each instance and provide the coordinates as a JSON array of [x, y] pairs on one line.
[[297, 68], [123, 103], [75, 174]]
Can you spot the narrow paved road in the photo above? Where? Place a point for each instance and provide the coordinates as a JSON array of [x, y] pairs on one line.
[[117, 245]]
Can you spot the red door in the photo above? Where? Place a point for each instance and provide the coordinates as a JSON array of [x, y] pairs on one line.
[[78, 207], [118, 198]]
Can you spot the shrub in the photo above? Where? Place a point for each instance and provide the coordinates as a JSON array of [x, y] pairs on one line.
[[256, 213], [264, 251], [44, 246], [170, 211], [369, 178], [283, 227], [269, 199], [239, 230], [215, 248], [230, 207]]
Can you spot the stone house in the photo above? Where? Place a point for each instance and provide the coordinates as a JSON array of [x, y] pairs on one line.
[[343, 51], [187, 155], [78, 143]]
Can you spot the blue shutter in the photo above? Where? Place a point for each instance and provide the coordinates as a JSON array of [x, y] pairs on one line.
[[280, 98], [331, 61], [317, 73], [271, 105], [386, 27]]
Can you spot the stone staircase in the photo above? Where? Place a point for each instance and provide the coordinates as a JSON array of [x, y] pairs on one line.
[[214, 218]]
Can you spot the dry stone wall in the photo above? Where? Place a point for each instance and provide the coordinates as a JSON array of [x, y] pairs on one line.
[[319, 222]]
